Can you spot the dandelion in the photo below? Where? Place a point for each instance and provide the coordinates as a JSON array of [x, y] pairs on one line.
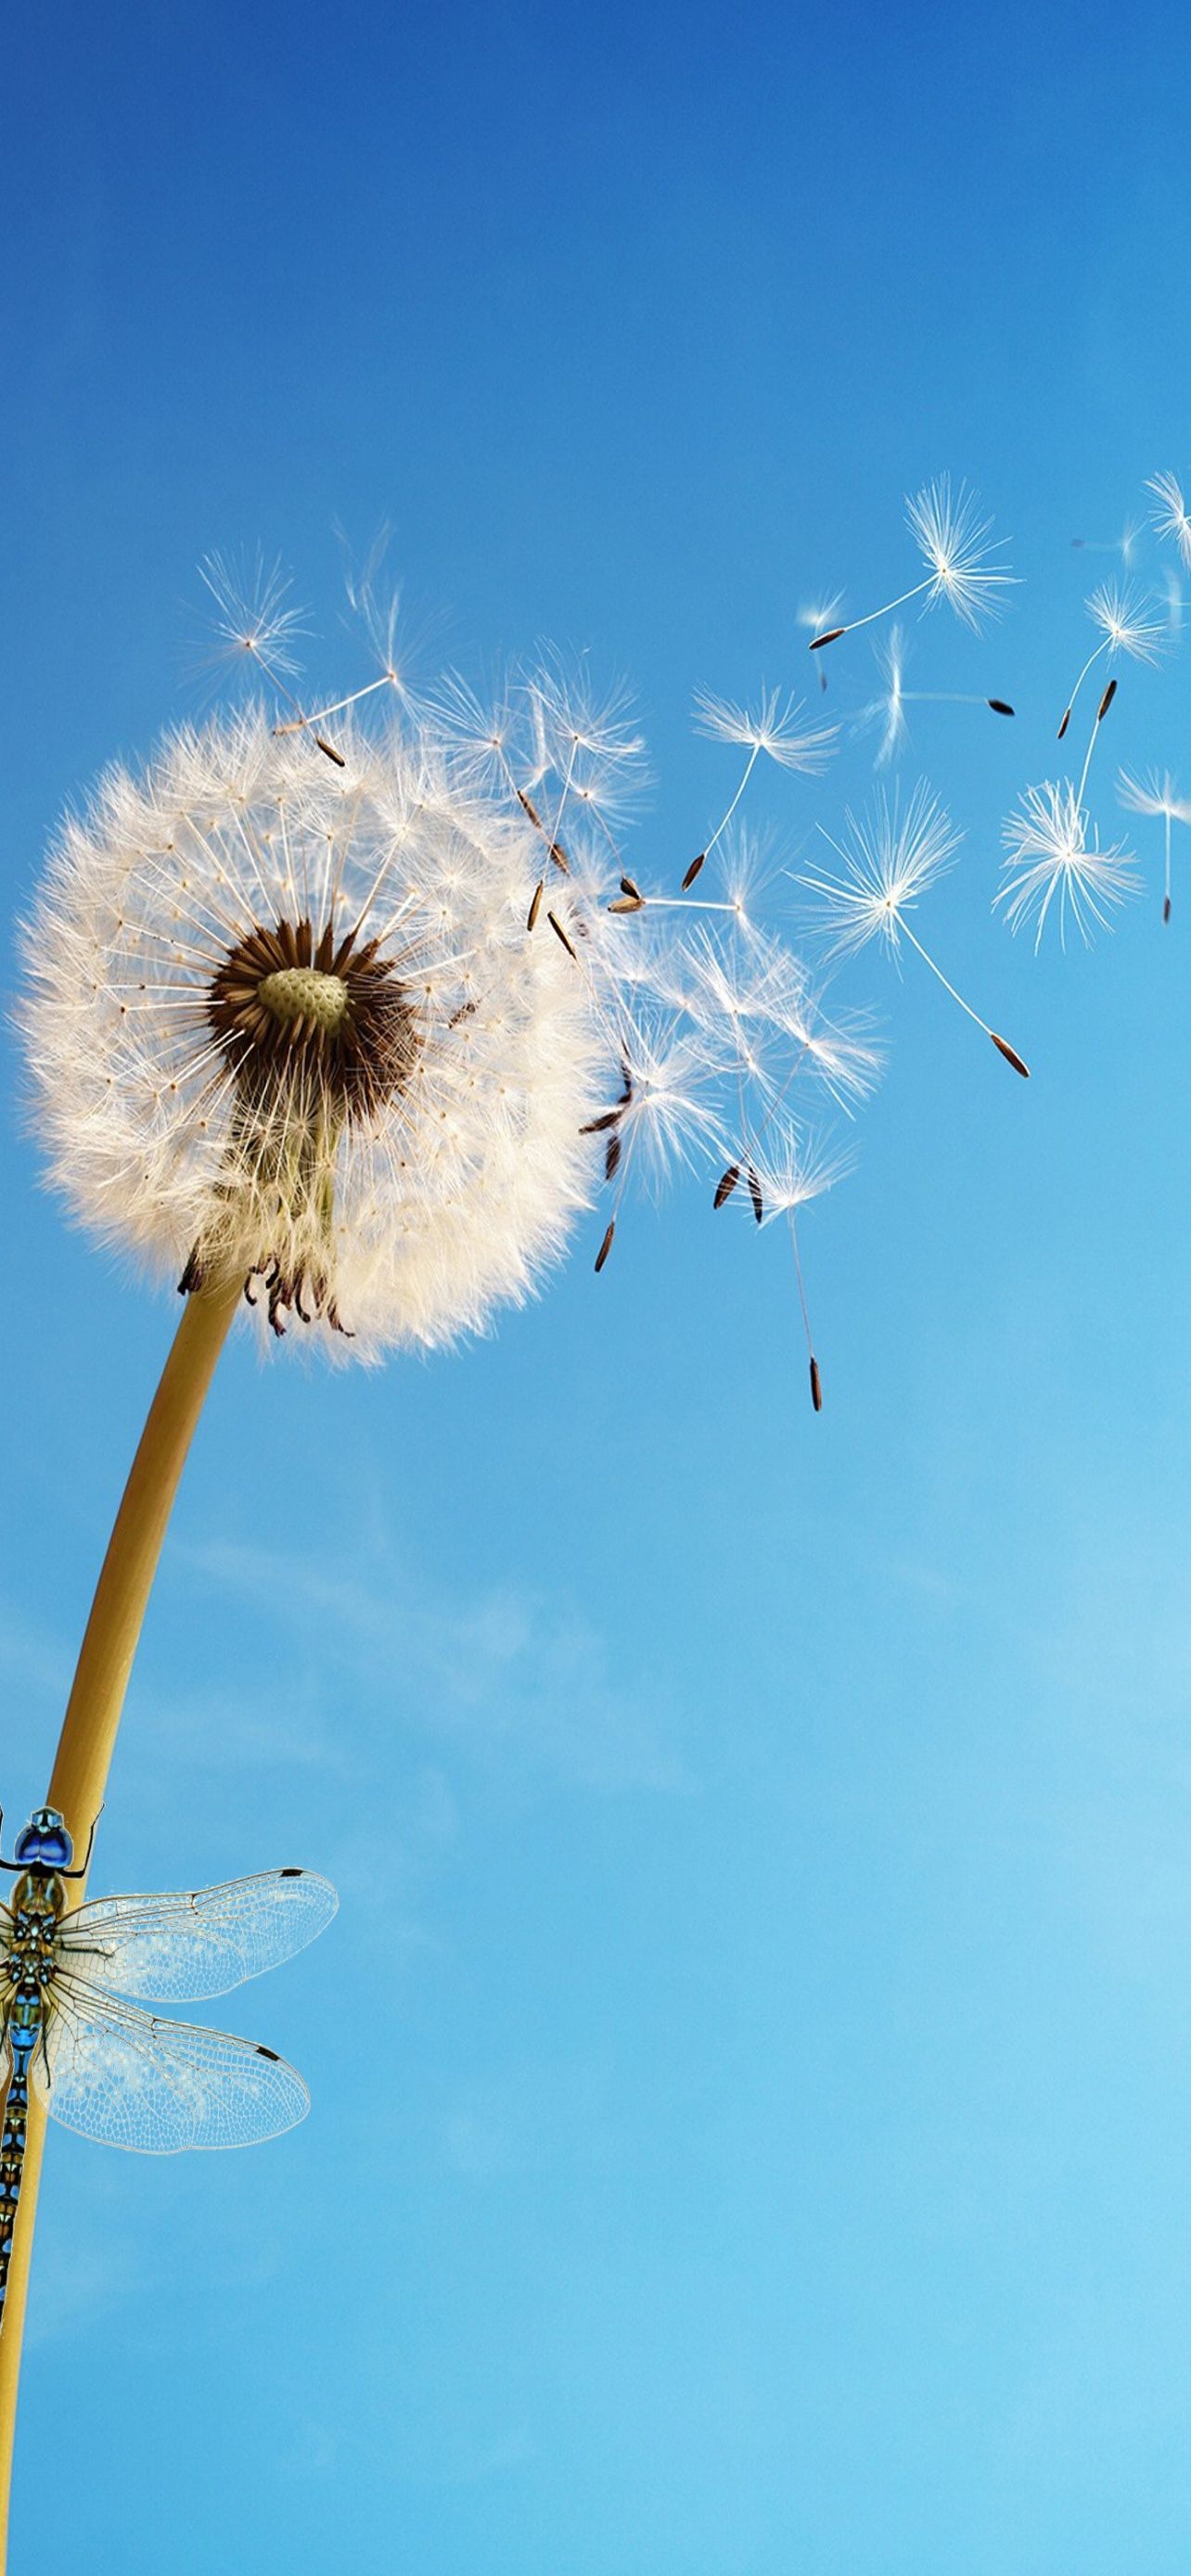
[[772, 728], [1170, 519], [286, 1029], [1155, 794], [1053, 856], [890, 859], [888, 710], [952, 539], [1126, 625]]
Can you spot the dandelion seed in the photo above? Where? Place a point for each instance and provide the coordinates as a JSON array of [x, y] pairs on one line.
[[1053, 858], [252, 625], [772, 728], [1127, 625], [605, 1247], [1170, 519], [888, 710], [952, 539], [820, 619], [788, 1185], [1156, 794], [1125, 545], [890, 859]]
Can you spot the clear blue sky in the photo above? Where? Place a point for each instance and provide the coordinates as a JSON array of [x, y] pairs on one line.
[[752, 2065]]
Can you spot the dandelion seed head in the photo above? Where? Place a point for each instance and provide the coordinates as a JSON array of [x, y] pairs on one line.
[[285, 1023], [888, 712], [252, 621], [1170, 519], [1155, 793], [953, 541], [1054, 862], [772, 726], [1127, 622], [890, 856]]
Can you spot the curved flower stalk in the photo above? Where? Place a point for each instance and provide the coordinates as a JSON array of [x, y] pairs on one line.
[[961, 566], [889, 859], [1155, 794]]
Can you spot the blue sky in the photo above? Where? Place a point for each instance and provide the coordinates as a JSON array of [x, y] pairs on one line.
[[750, 2066]]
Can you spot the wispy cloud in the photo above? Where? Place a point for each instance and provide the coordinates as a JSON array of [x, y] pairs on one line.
[[512, 1675]]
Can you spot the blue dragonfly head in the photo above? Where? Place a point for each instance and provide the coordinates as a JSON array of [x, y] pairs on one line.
[[44, 1842]]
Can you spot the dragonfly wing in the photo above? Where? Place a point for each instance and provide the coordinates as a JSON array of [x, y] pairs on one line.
[[179, 1949], [129, 2079]]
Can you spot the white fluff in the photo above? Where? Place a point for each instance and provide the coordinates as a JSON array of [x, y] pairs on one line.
[[452, 1196]]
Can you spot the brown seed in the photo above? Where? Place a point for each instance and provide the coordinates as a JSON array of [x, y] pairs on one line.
[[726, 1184], [693, 870], [627, 903], [1001, 707], [816, 1385], [831, 637], [559, 856], [1106, 701], [755, 1194], [605, 1247], [530, 809], [536, 905], [559, 933], [612, 1158], [1063, 727], [328, 748], [628, 885], [1010, 1054], [596, 1126], [1166, 907]]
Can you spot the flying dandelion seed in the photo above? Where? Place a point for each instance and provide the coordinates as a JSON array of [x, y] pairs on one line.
[[784, 1186], [1053, 859], [890, 859], [887, 712], [820, 618], [1125, 545], [772, 728], [1170, 519], [1155, 794], [1127, 625], [952, 539]]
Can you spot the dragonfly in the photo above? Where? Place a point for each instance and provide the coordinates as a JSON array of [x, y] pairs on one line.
[[72, 2023]]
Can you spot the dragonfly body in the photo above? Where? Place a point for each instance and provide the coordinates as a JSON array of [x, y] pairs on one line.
[[71, 2032]]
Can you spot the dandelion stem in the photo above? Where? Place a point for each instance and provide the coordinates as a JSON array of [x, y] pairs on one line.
[[855, 622], [904, 927], [93, 1711], [722, 827], [1093, 656], [297, 724]]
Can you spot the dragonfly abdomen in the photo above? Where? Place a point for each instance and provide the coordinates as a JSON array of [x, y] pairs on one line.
[[22, 2043]]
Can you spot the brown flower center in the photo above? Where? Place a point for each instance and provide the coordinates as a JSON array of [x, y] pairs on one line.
[[317, 1033], [287, 1008]]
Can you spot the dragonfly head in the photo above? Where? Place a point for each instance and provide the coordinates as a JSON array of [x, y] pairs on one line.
[[44, 1842]]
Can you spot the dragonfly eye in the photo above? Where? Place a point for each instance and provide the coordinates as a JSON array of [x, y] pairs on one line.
[[44, 1842]]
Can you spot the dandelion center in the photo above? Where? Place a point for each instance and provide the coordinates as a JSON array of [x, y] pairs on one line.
[[303, 1013], [303, 993]]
